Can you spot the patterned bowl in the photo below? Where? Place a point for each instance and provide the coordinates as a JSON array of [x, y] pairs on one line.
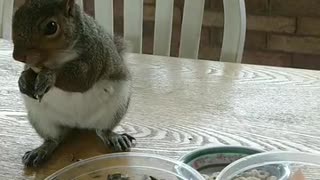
[[210, 161]]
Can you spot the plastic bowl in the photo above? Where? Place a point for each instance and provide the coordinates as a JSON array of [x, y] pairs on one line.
[[212, 160], [134, 165], [296, 163]]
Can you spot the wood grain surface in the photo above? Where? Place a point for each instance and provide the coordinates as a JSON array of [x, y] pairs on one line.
[[179, 105]]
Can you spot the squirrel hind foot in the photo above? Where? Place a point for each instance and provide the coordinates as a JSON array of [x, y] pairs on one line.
[[40, 155], [117, 142]]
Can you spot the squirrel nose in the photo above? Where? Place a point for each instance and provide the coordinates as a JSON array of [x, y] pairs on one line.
[[21, 58]]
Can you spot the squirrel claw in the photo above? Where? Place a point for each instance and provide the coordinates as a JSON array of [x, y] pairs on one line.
[[121, 142], [39, 155], [39, 98], [44, 82], [118, 142], [34, 158]]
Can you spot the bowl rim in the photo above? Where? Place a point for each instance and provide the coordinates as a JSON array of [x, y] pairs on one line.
[[123, 154], [286, 165], [218, 149]]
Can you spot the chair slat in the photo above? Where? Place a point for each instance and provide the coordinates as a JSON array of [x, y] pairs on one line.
[[133, 21], [163, 27], [191, 28], [104, 14], [6, 18], [1, 17], [234, 31]]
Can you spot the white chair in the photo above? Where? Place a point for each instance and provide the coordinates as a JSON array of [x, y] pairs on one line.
[[6, 11], [234, 25]]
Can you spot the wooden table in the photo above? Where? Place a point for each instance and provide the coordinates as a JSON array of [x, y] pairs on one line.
[[179, 105]]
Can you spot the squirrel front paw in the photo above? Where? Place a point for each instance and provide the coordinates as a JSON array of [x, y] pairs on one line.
[[43, 83], [26, 83]]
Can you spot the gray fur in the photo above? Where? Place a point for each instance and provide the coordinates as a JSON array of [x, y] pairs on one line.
[[100, 57]]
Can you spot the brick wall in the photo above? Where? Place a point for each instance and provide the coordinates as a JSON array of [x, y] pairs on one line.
[[279, 32]]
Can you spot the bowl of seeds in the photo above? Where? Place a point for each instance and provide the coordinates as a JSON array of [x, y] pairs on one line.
[[127, 166]]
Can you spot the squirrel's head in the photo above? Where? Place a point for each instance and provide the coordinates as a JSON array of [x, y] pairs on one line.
[[44, 32]]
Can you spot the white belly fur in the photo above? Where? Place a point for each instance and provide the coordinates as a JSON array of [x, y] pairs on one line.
[[94, 109]]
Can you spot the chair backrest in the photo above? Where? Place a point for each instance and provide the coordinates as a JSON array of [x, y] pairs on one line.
[[234, 31], [234, 26], [233, 37], [6, 11]]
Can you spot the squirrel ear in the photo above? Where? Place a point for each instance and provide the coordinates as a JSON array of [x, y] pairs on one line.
[[69, 7]]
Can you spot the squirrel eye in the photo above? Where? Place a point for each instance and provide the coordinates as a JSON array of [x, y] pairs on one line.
[[51, 28]]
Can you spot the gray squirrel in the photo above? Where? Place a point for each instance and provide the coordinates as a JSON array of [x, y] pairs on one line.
[[75, 75]]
